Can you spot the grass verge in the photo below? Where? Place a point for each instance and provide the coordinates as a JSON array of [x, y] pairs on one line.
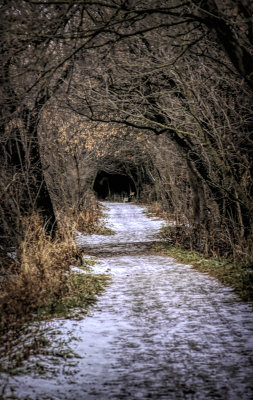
[[233, 273], [29, 339], [40, 284], [238, 276], [83, 289]]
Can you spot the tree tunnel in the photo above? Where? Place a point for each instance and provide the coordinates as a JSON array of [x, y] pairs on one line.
[[113, 185]]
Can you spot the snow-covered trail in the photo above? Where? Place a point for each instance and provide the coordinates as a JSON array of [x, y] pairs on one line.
[[160, 331]]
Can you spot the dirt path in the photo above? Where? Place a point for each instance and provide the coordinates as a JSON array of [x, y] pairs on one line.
[[160, 331]]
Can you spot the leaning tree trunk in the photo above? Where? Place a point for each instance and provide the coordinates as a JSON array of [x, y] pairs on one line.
[[23, 189]]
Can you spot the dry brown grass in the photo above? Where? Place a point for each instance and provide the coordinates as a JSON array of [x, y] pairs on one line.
[[41, 276], [212, 242], [89, 219], [157, 209], [40, 284]]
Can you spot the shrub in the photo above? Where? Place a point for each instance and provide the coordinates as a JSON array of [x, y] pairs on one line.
[[41, 277]]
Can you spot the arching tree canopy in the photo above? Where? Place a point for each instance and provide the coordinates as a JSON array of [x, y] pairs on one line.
[[177, 73]]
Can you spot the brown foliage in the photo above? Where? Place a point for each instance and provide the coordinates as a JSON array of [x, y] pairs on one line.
[[42, 275]]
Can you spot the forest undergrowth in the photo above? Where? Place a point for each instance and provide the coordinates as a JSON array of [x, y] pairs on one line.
[[179, 243], [39, 283]]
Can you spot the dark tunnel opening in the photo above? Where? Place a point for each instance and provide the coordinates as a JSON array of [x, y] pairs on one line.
[[112, 186]]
